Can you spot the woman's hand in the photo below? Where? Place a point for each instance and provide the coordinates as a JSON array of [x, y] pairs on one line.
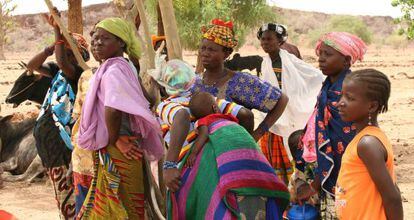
[[172, 179], [50, 20], [257, 134], [129, 147], [191, 159], [304, 192]]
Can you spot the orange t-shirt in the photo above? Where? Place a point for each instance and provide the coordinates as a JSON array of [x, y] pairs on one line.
[[356, 196]]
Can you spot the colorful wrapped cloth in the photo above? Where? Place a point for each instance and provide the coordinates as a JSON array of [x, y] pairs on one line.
[[308, 140], [244, 89], [6, 216], [332, 134], [273, 148], [116, 85], [232, 167], [167, 109], [117, 188], [124, 30], [59, 100], [221, 33], [82, 160], [61, 179], [345, 43]]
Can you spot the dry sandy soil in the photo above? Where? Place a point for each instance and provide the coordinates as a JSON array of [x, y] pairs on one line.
[[36, 201]]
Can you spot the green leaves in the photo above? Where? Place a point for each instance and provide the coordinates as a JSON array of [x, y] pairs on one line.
[[193, 14], [406, 20], [6, 20]]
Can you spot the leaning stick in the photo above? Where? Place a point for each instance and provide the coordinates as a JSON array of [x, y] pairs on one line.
[[170, 29], [67, 36], [150, 51]]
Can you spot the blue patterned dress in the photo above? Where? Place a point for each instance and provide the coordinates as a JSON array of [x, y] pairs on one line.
[[244, 89]]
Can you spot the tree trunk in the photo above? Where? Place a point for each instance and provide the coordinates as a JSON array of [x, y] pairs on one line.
[[2, 57], [2, 41], [171, 30], [75, 21], [2, 32], [160, 24]]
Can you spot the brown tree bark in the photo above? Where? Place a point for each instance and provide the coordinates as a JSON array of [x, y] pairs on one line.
[[171, 29], [2, 32], [160, 24], [75, 20]]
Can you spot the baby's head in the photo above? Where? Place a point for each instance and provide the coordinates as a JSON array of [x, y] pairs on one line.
[[203, 104], [294, 141]]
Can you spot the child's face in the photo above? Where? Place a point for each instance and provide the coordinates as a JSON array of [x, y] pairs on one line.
[[215, 107], [331, 62], [354, 106]]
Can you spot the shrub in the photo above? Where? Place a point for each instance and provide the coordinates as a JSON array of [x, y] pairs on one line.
[[342, 23]]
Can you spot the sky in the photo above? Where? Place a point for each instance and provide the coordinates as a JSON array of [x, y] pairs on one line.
[[37, 6], [353, 7]]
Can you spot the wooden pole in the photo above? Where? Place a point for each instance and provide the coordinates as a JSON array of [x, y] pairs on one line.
[[160, 24], [147, 38], [67, 36], [171, 30]]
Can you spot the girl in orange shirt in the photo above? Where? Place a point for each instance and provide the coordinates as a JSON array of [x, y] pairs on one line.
[[366, 183]]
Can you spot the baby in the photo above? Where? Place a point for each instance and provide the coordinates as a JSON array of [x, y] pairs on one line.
[[204, 108], [298, 178]]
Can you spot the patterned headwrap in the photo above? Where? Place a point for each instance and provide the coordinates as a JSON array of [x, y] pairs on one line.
[[124, 30], [221, 33], [81, 44], [279, 29], [345, 43], [176, 76]]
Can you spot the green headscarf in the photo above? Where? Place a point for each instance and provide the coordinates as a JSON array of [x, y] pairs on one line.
[[124, 30]]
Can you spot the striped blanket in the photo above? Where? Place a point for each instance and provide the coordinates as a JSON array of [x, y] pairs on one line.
[[229, 165]]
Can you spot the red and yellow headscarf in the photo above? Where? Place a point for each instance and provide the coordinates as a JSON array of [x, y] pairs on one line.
[[221, 33]]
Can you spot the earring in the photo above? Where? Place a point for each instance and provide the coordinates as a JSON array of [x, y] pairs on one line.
[[369, 119]]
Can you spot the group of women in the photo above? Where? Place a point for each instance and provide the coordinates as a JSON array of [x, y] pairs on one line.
[[94, 145]]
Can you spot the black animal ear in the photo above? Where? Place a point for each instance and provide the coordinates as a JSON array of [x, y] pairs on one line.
[[5, 118]]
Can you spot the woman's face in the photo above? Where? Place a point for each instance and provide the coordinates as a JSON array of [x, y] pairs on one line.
[[93, 47], [269, 42], [212, 54], [331, 62], [107, 45]]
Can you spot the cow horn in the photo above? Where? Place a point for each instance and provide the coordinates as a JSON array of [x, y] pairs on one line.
[[23, 65]]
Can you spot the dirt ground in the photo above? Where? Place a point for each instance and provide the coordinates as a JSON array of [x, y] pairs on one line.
[[35, 201]]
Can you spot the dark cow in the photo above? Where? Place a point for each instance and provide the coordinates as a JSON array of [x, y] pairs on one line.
[[29, 86], [18, 153], [238, 63]]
